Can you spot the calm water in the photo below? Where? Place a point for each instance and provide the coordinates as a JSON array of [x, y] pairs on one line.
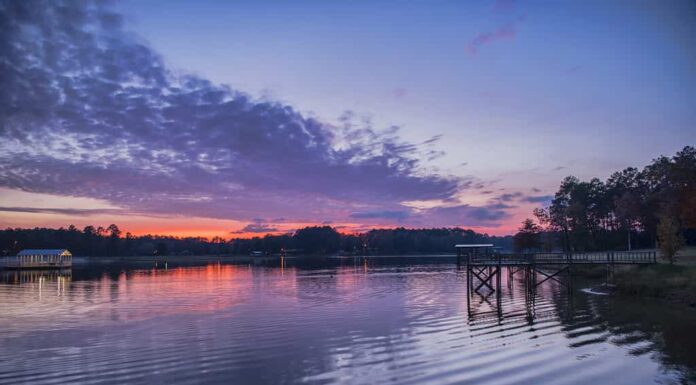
[[334, 321]]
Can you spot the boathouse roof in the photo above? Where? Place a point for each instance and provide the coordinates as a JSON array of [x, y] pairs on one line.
[[56, 252]]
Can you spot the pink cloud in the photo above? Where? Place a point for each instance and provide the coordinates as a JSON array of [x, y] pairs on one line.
[[507, 31]]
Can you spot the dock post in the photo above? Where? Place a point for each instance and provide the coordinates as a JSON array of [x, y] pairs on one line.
[[570, 275], [469, 278], [498, 288], [468, 290]]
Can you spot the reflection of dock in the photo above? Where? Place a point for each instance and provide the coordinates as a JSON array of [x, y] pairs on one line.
[[18, 277], [497, 305]]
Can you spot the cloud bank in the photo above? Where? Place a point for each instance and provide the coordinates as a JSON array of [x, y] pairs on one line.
[[89, 110]]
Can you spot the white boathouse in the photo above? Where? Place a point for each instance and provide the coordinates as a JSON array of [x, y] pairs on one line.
[[41, 259]]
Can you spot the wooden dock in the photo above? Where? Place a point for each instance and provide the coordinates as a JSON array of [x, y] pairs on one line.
[[484, 266], [588, 258]]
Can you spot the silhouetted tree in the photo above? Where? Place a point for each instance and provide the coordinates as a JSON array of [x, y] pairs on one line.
[[669, 237], [314, 240], [593, 215], [627, 212], [318, 239], [528, 237]]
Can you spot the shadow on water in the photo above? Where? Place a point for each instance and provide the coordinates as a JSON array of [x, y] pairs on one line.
[[644, 327], [321, 320]]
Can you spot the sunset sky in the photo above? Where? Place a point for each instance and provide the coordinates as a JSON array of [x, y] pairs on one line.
[[240, 118]]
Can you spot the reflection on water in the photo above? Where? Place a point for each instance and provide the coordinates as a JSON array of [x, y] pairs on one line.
[[333, 320], [34, 275]]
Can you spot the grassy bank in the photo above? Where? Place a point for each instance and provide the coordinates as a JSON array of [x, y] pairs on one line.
[[672, 283]]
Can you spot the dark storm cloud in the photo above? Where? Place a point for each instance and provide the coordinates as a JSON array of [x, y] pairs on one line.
[[87, 109]]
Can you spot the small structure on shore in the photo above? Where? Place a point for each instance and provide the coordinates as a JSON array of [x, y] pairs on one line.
[[475, 249], [40, 259]]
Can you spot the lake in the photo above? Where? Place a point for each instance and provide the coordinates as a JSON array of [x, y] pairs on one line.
[[330, 320]]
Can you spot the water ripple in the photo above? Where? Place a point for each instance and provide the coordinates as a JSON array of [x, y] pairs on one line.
[[376, 324]]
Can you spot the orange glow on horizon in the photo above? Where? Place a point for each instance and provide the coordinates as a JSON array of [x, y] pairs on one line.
[[346, 229], [210, 228], [182, 227]]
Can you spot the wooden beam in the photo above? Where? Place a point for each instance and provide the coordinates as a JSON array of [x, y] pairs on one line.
[[552, 276]]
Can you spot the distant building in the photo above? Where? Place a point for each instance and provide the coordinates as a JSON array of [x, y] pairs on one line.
[[40, 258], [475, 248], [470, 250]]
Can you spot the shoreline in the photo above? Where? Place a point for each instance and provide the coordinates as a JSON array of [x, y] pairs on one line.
[[669, 284], [673, 284]]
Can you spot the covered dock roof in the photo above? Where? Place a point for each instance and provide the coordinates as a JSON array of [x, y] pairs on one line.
[[473, 245], [50, 252]]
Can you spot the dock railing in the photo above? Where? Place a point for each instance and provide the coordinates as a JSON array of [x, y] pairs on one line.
[[596, 257]]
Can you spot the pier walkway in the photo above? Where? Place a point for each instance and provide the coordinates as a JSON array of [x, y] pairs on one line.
[[484, 266], [589, 258]]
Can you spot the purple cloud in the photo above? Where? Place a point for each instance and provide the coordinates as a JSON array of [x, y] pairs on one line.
[[467, 215], [507, 31], [503, 200], [507, 197], [63, 211], [256, 228], [546, 199], [87, 110], [398, 215]]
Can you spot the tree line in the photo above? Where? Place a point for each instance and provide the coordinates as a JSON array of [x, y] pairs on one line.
[[313, 240], [652, 207]]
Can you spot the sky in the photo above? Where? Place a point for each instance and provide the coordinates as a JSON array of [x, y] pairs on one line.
[[241, 118]]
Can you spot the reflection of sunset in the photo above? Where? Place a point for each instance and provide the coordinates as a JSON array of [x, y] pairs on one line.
[[137, 295], [195, 289]]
